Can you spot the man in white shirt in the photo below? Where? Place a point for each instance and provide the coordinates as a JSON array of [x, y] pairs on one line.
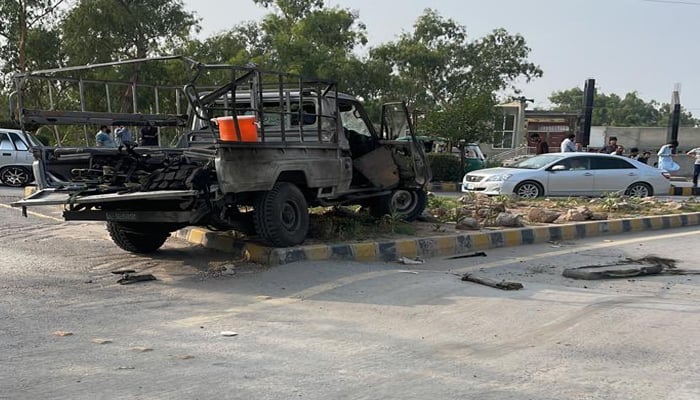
[[695, 153], [568, 145]]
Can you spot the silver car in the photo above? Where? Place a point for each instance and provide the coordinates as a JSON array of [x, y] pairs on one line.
[[569, 174], [15, 157]]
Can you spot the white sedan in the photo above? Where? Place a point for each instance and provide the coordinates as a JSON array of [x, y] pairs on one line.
[[569, 174]]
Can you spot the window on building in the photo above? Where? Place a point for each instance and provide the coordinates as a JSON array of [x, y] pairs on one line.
[[504, 131]]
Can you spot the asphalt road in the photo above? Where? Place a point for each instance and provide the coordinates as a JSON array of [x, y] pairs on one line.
[[330, 330]]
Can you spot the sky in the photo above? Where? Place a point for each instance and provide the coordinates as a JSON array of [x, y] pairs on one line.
[[625, 45]]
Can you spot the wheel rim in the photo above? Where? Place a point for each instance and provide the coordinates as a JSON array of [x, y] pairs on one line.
[[289, 216], [528, 191], [15, 176], [639, 191], [403, 201]]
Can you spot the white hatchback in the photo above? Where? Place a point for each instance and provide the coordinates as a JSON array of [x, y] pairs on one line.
[[15, 157], [570, 174]]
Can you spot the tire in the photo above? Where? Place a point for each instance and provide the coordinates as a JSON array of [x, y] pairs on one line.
[[281, 216], [639, 189], [135, 237], [528, 190], [15, 176], [408, 204]]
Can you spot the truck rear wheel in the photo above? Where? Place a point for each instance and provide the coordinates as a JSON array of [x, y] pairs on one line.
[[281, 215], [136, 237], [407, 204]]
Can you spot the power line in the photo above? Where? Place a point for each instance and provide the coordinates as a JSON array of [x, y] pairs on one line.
[[687, 3]]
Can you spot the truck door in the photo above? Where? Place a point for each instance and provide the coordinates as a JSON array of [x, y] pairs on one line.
[[8, 153], [397, 129]]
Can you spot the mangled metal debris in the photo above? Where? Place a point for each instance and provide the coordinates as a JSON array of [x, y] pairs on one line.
[[503, 285], [630, 267]]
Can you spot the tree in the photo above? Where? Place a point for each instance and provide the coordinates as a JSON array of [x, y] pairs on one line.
[[613, 110], [24, 24], [306, 38], [125, 29], [442, 73]]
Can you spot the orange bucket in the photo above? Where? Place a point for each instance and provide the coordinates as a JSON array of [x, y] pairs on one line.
[[227, 128]]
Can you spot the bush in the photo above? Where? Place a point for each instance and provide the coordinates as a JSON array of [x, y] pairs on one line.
[[445, 167]]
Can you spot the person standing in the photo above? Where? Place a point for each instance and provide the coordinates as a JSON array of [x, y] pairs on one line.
[[149, 136], [103, 138], [634, 153], [620, 150], [696, 171], [123, 136], [666, 157], [611, 147], [541, 147], [644, 158], [568, 145]]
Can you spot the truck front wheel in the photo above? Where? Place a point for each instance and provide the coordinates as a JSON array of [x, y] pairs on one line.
[[281, 215], [407, 204], [136, 237]]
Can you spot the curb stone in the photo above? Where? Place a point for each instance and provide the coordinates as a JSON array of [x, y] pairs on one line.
[[427, 247]]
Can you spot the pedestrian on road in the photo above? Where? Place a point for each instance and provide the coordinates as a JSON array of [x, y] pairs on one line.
[[541, 147], [666, 157], [568, 145], [696, 171], [620, 150]]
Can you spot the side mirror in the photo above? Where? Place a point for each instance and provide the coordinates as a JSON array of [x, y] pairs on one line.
[[558, 167]]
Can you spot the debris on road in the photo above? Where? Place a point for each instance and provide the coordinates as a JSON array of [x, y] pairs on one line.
[[477, 254], [229, 333], [141, 349], [128, 278], [647, 265], [185, 357], [405, 271], [410, 261], [503, 285], [101, 341], [63, 333]]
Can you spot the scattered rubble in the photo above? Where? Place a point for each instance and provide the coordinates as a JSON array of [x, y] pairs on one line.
[[647, 265], [503, 285]]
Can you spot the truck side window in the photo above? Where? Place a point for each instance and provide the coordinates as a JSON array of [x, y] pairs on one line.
[[353, 121]]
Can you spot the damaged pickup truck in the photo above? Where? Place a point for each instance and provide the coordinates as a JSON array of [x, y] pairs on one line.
[[255, 151]]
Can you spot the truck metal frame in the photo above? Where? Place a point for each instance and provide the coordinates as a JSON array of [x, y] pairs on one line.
[[314, 146]]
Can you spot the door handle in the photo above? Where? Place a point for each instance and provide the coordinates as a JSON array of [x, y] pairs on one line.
[[588, 174], [6, 154], [631, 174]]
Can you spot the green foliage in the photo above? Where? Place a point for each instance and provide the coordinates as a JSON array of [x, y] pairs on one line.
[[445, 167], [124, 29], [613, 110]]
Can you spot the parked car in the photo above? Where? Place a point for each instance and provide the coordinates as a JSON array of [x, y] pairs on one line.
[[569, 174], [15, 157]]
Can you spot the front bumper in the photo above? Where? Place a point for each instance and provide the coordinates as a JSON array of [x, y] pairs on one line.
[[488, 188]]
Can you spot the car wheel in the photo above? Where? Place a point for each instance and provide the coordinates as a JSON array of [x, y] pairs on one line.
[[281, 216], [15, 176], [639, 189], [529, 190]]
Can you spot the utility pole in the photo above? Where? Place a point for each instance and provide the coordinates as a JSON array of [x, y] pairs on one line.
[[675, 121], [520, 127], [588, 100]]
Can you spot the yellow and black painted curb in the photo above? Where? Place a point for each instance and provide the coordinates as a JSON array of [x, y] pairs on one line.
[[391, 250], [684, 191]]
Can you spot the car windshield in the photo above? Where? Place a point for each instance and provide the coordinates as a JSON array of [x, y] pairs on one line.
[[538, 162]]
